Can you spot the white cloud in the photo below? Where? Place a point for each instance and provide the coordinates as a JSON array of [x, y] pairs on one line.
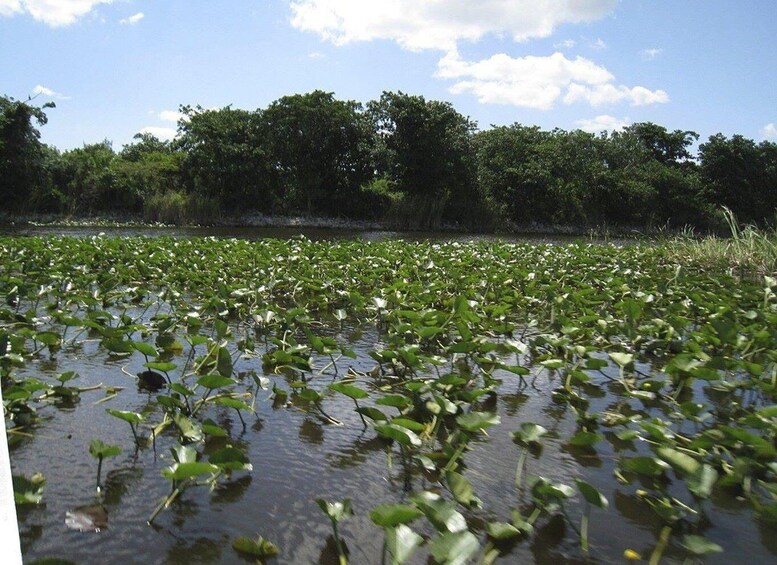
[[316, 55], [172, 116], [539, 82], [133, 19], [440, 24], [602, 123], [162, 133], [598, 44], [650, 54], [54, 13], [46, 91], [10, 7], [566, 44], [769, 132], [602, 94]]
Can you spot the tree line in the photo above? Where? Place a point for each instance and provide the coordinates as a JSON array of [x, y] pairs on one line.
[[403, 159]]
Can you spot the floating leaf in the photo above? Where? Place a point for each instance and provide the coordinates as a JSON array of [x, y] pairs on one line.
[[461, 488], [399, 434], [259, 547], [476, 421], [391, 515], [214, 381], [591, 495], [455, 548], [181, 471], [529, 433], [699, 545], [401, 542], [502, 530], [349, 390]]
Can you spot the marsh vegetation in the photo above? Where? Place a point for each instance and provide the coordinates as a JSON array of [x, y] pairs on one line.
[[350, 401]]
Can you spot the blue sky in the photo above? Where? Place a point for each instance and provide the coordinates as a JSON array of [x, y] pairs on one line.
[[117, 67]]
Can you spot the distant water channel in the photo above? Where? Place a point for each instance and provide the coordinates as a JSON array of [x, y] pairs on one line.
[[312, 233]]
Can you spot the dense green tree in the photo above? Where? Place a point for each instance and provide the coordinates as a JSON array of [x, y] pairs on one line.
[[23, 170], [226, 157], [320, 148], [88, 179], [149, 167], [668, 148], [426, 148], [740, 174], [510, 171], [653, 177]]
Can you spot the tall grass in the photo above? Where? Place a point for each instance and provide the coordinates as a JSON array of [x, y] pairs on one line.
[[747, 251], [179, 208]]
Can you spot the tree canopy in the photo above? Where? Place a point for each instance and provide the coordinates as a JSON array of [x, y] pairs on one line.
[[402, 158]]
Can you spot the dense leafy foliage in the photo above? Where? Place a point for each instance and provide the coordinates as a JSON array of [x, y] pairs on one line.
[[406, 160]]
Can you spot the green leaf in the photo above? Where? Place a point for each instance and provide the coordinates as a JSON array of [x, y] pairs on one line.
[[131, 417], [701, 481], [372, 413], [529, 433], [476, 421], [28, 490], [401, 542], [100, 450], [440, 512], [584, 439], [699, 545], [399, 434], [145, 348], [214, 381], [212, 429], [649, 466], [259, 547], [349, 390], [181, 471], [190, 430], [461, 488], [49, 339], [336, 511], [679, 460], [591, 495], [231, 458], [224, 363], [622, 359], [165, 367], [392, 515], [502, 530], [455, 548], [230, 402], [394, 400], [409, 424]]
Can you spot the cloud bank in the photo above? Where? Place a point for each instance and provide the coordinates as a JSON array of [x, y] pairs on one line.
[[537, 82], [540, 82], [440, 24], [54, 13]]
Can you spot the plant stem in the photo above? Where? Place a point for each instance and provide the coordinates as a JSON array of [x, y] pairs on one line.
[[519, 468], [663, 540]]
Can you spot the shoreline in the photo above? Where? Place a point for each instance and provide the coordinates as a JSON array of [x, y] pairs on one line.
[[257, 220]]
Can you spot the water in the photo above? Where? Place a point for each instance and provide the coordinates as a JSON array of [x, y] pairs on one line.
[[315, 234], [297, 457]]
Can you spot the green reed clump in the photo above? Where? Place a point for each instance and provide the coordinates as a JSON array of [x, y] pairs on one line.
[[748, 251]]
